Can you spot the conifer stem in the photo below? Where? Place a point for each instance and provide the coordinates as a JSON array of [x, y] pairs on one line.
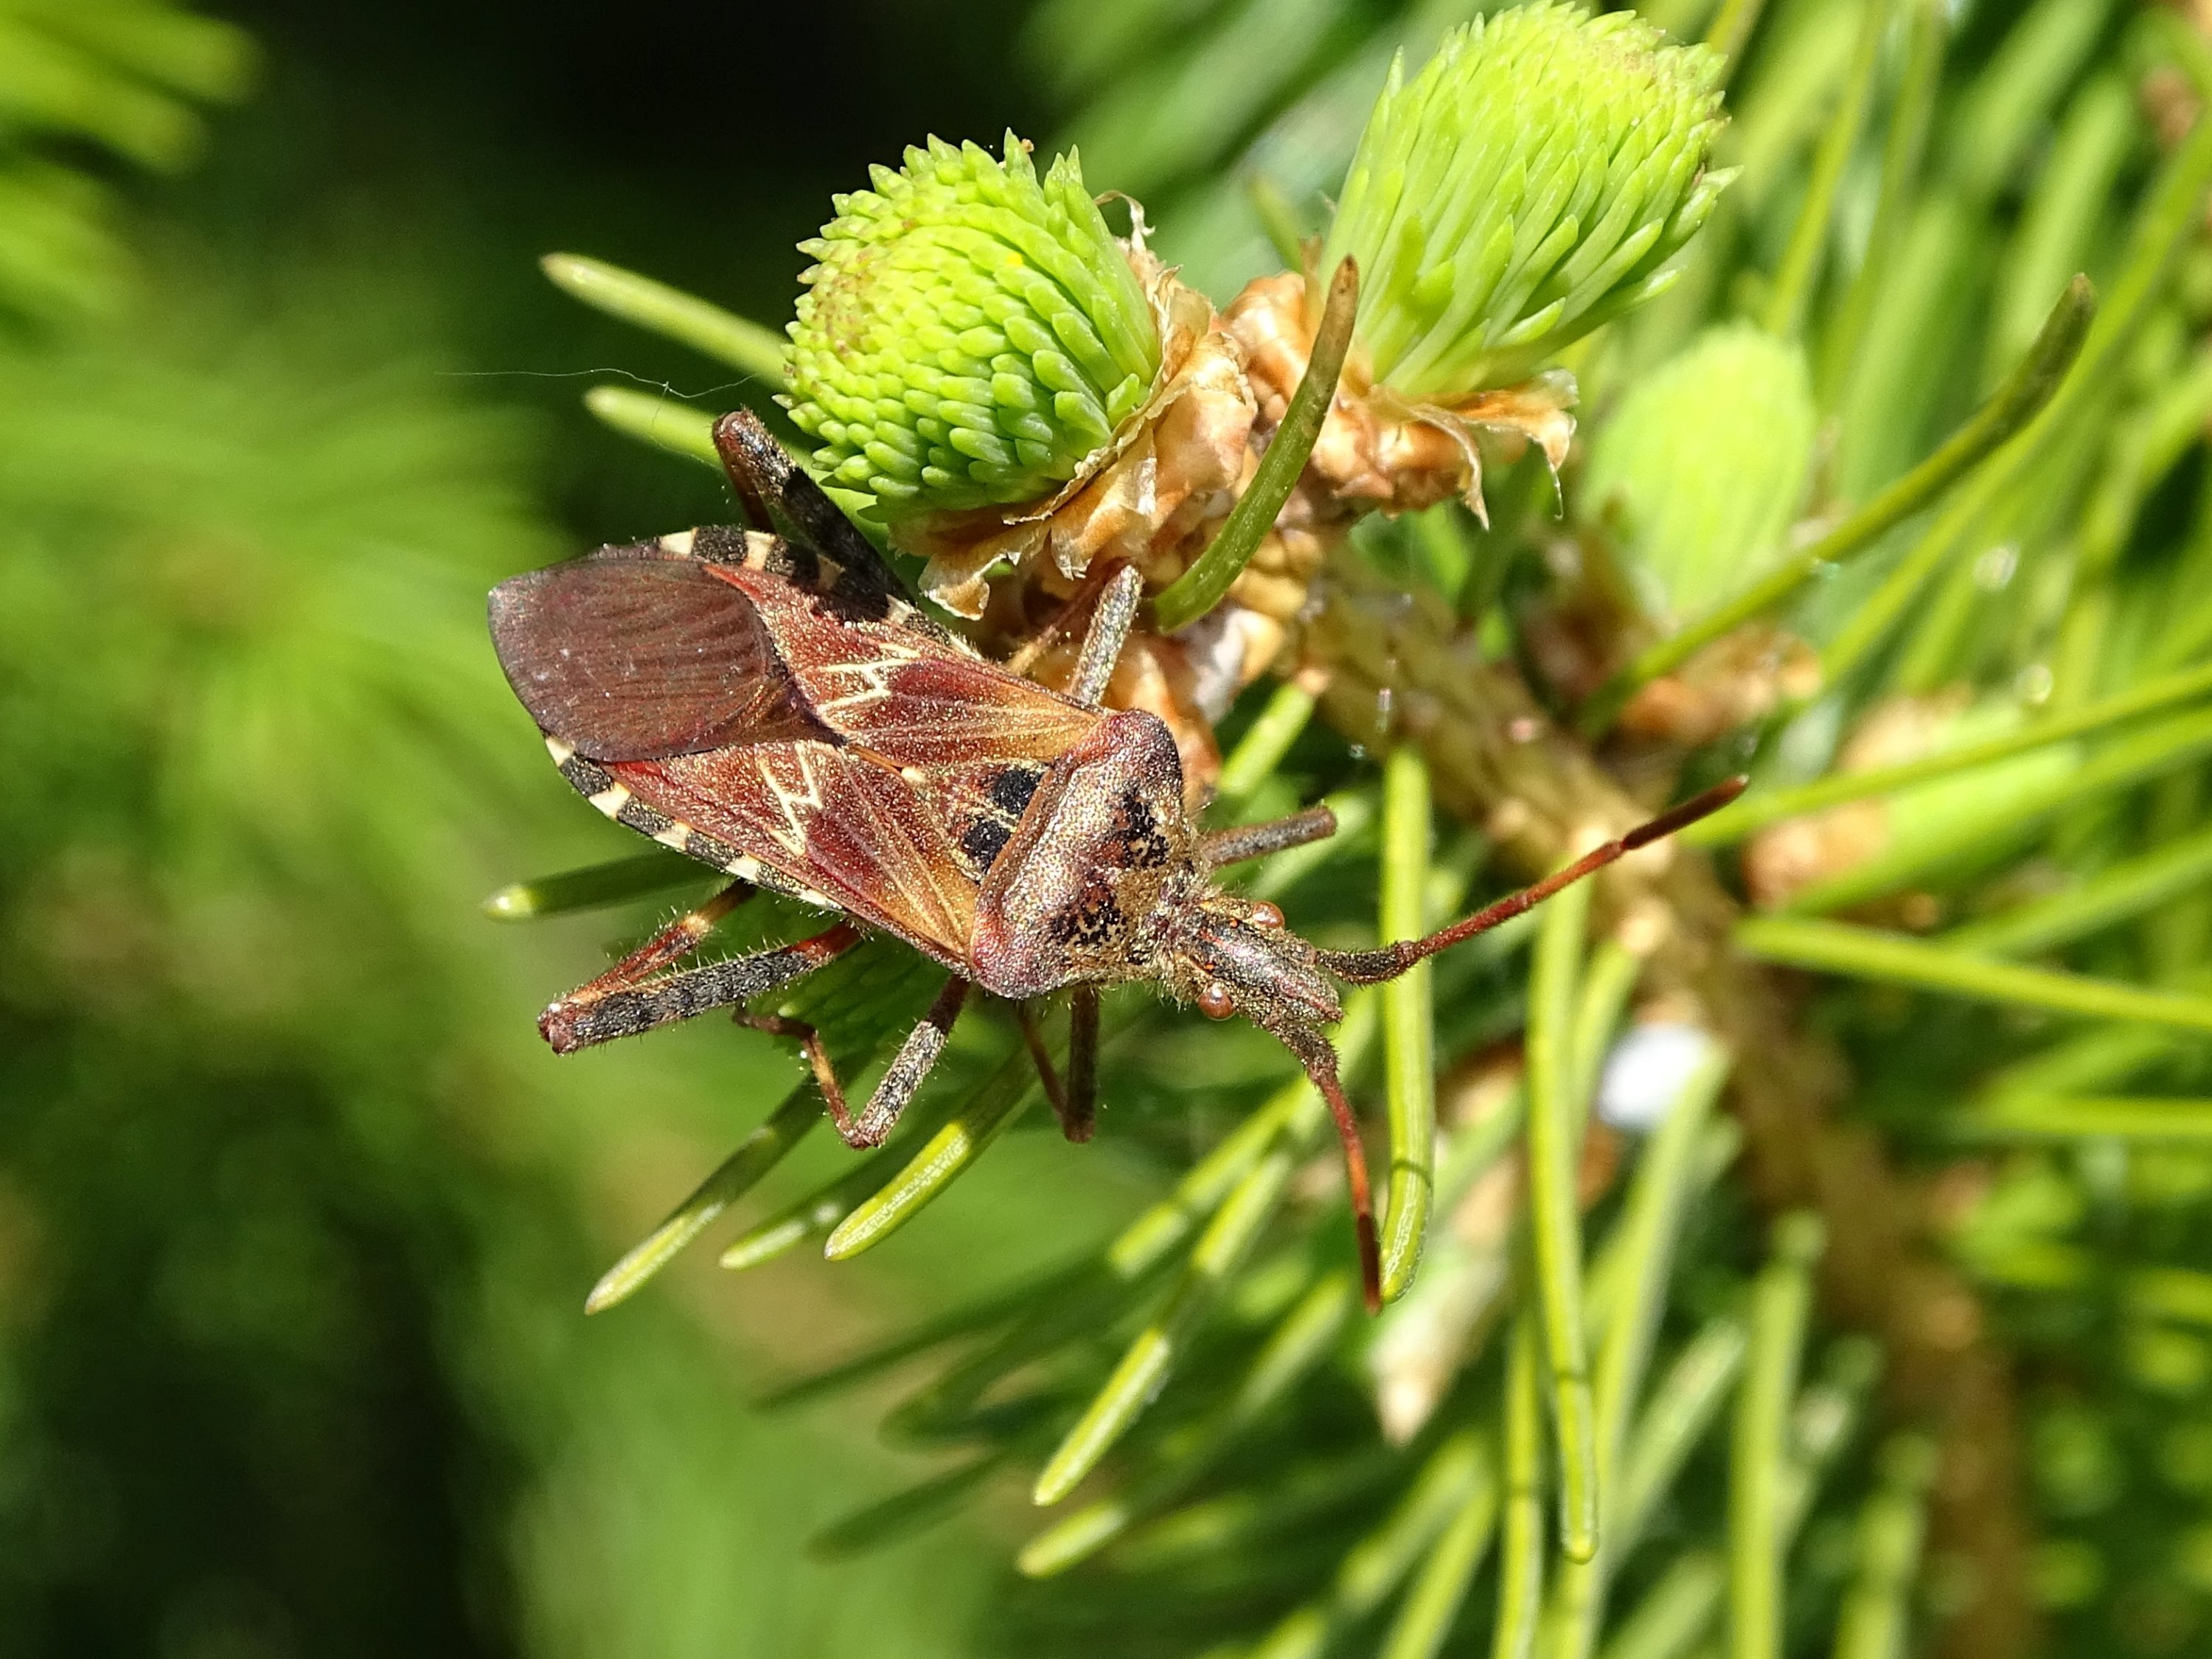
[[1202, 587]]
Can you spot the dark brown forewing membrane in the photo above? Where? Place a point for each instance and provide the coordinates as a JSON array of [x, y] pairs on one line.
[[639, 657]]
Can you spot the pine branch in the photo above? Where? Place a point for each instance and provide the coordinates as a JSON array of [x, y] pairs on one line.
[[1499, 764]]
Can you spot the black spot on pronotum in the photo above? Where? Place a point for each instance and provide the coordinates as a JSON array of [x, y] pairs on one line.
[[1091, 923], [1137, 843], [984, 841], [1012, 788]]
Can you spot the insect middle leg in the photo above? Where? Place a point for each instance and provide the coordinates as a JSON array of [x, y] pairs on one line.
[[1074, 1103], [900, 1080], [636, 994], [1082, 1115]]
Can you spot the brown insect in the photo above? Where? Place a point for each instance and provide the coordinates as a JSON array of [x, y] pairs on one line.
[[770, 702]]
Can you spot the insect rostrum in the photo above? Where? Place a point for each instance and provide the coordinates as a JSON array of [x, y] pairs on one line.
[[769, 701]]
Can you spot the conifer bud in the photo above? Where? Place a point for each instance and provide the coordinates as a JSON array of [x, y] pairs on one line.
[[969, 334], [1526, 186], [1701, 466]]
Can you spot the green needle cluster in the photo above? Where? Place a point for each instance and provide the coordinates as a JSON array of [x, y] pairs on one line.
[[1704, 463], [970, 332], [1525, 186]]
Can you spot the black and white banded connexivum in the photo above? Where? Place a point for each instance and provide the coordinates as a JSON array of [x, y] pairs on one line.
[[769, 701]]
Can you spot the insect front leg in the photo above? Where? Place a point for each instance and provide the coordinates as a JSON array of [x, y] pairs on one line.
[[1074, 1103], [1055, 1092], [900, 1080], [635, 995], [1254, 840]]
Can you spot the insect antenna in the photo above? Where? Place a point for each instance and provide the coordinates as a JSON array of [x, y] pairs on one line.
[[1389, 960]]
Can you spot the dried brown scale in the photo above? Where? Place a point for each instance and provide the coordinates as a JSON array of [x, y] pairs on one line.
[[1499, 763], [1378, 452], [1782, 861], [1152, 498], [1736, 681]]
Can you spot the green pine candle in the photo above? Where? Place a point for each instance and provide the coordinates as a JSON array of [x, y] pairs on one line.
[[969, 334]]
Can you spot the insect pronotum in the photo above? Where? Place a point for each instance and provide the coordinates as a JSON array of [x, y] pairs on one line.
[[769, 701]]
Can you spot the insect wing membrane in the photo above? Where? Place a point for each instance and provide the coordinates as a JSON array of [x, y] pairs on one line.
[[639, 657], [767, 721]]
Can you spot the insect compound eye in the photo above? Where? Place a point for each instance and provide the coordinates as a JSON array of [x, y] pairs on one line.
[[1215, 1002], [1264, 914]]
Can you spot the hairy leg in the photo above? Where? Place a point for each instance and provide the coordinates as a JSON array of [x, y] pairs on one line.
[[1254, 840], [634, 996], [1081, 1117], [900, 1080]]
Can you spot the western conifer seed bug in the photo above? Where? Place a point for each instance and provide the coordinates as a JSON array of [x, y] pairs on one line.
[[771, 702]]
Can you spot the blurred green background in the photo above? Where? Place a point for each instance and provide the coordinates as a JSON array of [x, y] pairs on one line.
[[296, 1213]]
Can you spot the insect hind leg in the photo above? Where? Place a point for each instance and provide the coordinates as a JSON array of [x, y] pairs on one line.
[[755, 464], [636, 995]]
